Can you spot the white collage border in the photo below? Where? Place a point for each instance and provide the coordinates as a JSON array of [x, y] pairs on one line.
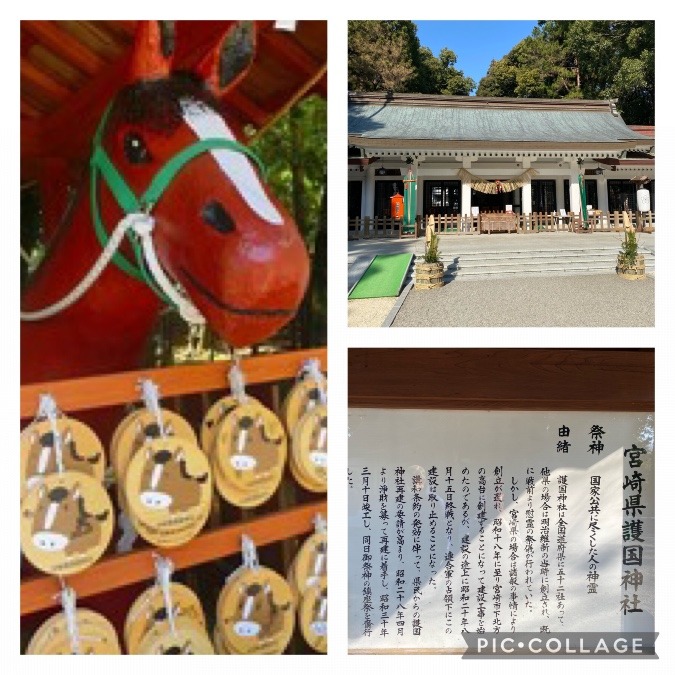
[[340, 337]]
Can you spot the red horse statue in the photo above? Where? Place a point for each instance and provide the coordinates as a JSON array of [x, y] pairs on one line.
[[218, 231]]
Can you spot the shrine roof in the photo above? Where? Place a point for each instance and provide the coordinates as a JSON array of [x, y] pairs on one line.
[[473, 118]]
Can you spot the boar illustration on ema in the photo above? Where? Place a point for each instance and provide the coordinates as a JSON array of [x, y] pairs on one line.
[[179, 650], [166, 483], [42, 456], [257, 614], [252, 451], [150, 432], [311, 398], [61, 522], [318, 444]]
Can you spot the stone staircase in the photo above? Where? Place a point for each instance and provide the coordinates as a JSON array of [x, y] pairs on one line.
[[543, 262]]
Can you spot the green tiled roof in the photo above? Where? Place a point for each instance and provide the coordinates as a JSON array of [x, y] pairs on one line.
[[470, 119]]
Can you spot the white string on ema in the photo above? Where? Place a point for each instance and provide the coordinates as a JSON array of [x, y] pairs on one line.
[[237, 381], [150, 396], [311, 368], [48, 410], [320, 524], [164, 568], [68, 600], [249, 553]]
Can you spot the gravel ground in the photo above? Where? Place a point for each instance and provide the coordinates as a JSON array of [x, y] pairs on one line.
[[370, 312], [597, 301]]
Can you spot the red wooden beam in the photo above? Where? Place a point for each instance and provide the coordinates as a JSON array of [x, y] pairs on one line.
[[286, 49], [196, 39], [67, 132], [108, 390], [116, 571], [288, 99], [321, 87], [54, 91], [248, 110], [64, 45], [28, 110]]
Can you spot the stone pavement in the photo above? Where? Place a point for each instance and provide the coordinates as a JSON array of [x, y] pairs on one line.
[[595, 300], [592, 300]]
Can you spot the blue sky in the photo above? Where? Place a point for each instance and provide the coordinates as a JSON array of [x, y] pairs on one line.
[[476, 43]]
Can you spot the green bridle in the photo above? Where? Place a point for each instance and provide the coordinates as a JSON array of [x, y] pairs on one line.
[[101, 163]]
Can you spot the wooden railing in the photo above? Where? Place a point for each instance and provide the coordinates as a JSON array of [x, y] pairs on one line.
[[455, 224], [380, 228], [39, 591], [598, 221]]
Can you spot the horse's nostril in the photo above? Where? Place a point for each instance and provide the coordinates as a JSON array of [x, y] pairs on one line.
[[217, 217]]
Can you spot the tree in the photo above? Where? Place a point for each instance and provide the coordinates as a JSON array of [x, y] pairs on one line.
[[534, 68], [581, 59], [387, 56], [500, 79], [439, 75], [616, 60], [379, 56], [294, 150]]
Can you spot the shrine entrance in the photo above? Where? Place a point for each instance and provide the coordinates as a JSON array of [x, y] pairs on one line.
[[493, 203]]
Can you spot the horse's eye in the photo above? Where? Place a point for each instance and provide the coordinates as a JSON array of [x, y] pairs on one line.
[[135, 149], [215, 215]]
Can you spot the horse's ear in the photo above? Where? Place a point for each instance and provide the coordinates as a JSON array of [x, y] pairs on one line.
[[153, 50], [231, 59]]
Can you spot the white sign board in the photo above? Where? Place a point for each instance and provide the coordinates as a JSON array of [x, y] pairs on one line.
[[490, 521]]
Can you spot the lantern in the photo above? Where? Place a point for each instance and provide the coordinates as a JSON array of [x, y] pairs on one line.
[[397, 206], [643, 201]]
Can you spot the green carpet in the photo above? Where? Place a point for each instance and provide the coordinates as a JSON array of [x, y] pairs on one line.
[[383, 277]]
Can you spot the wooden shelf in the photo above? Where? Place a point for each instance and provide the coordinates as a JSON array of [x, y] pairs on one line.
[[108, 390], [116, 571]]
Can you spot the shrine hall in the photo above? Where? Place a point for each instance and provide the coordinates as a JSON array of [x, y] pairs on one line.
[[472, 155]]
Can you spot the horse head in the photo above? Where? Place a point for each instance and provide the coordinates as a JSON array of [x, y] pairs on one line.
[[218, 230]]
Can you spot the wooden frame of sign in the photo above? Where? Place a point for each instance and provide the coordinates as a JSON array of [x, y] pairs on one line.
[[502, 379], [619, 380]]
